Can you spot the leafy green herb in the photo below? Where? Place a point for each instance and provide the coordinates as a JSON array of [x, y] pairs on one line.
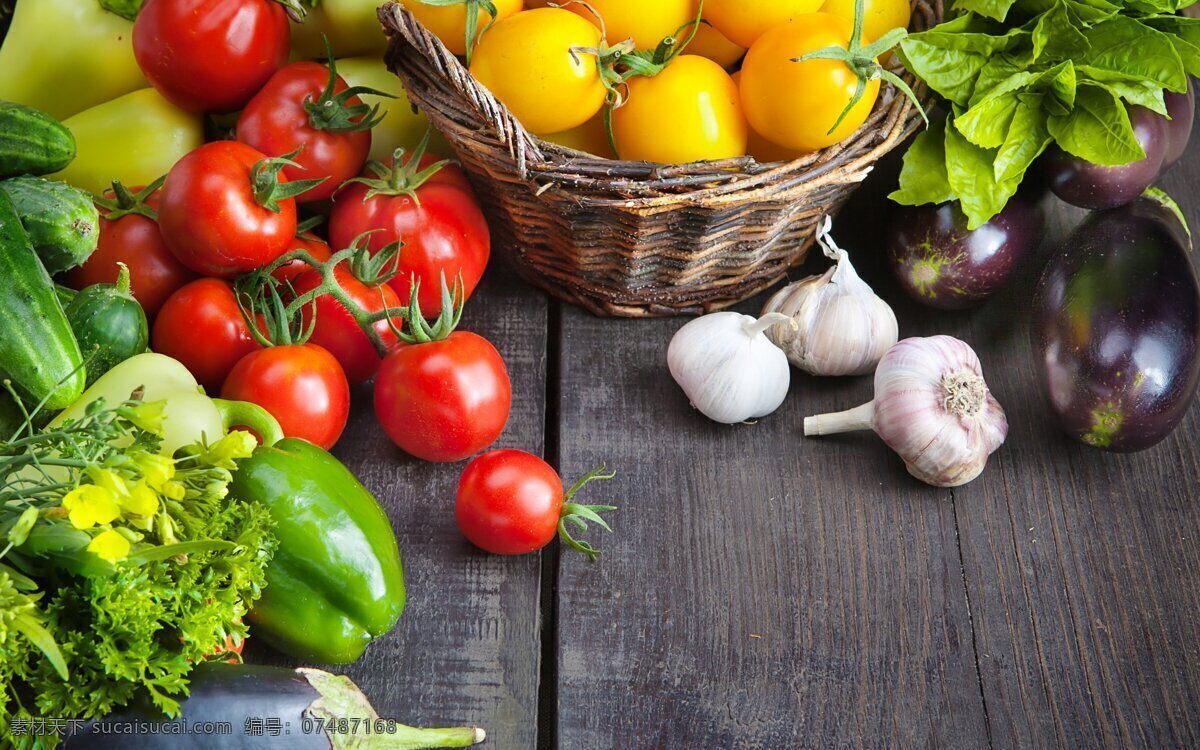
[[1020, 75]]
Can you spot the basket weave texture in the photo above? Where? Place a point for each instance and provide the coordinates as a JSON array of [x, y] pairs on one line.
[[632, 239]]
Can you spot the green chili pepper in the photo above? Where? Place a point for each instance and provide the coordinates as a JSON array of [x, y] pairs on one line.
[[336, 581]]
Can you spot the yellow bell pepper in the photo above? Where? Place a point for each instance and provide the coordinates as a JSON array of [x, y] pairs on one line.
[[134, 139], [64, 56]]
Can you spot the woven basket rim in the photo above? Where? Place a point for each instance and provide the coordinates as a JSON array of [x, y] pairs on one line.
[[642, 186]]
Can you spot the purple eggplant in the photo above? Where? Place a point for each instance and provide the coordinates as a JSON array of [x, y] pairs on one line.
[[1181, 108], [1116, 328], [1087, 185], [943, 264]]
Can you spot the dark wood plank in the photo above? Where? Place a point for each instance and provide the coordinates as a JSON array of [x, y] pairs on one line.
[[761, 590], [1082, 566], [467, 649]]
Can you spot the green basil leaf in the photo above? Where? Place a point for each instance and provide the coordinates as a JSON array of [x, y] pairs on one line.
[[1058, 83], [1026, 140], [1134, 91], [986, 123], [1123, 45], [1098, 129], [997, 9], [1184, 34], [1158, 6], [127, 9], [1057, 34], [999, 69], [971, 173], [949, 61], [923, 177]]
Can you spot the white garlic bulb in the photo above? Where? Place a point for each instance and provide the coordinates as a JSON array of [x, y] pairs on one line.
[[728, 368], [842, 326], [932, 407]]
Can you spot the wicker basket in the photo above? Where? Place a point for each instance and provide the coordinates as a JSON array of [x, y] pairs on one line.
[[634, 239]]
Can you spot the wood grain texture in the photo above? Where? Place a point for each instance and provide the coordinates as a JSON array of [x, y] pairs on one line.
[[1082, 566], [466, 650], [760, 590]]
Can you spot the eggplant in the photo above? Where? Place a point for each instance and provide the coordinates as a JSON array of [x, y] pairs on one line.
[[941, 263], [1087, 185], [251, 707], [1116, 327], [1181, 108]]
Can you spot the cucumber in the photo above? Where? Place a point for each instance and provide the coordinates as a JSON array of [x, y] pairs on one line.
[[32, 142], [61, 221], [38, 351], [109, 325]]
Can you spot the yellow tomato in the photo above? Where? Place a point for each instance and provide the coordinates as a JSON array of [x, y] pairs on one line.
[[400, 126], [795, 104], [879, 16], [763, 151], [590, 138], [744, 21], [527, 61], [647, 23], [688, 112], [714, 45], [449, 22]]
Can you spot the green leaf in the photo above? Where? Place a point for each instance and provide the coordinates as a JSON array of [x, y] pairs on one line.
[[923, 177], [41, 638], [127, 9], [1026, 140], [1184, 34], [1134, 91], [1058, 35], [996, 9], [949, 57], [1098, 129], [1059, 84], [972, 175], [986, 123], [1132, 49], [1158, 6], [999, 69]]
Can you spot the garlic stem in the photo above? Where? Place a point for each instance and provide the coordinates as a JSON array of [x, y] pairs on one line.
[[851, 420], [753, 328]]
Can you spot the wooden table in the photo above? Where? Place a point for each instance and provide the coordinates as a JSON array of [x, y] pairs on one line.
[[763, 590]]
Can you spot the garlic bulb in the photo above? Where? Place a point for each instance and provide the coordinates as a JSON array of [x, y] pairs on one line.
[[842, 327], [932, 407], [728, 368]]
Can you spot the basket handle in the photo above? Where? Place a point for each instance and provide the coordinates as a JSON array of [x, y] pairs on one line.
[[405, 31]]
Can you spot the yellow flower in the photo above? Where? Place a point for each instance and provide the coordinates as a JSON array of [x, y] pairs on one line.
[[155, 469], [141, 500], [109, 545], [172, 490], [237, 444], [145, 416], [89, 505], [109, 480]]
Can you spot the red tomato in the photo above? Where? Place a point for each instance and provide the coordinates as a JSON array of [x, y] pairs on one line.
[[336, 329], [202, 327], [154, 273], [294, 111], [301, 385], [444, 400], [210, 55], [211, 218], [316, 247], [440, 224], [511, 502]]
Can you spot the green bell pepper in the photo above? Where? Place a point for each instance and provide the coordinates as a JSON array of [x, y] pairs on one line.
[[336, 581]]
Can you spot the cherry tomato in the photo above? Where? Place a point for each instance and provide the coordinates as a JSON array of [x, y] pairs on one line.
[[294, 111], [301, 385], [760, 148], [449, 22], [714, 45], [795, 104], [444, 400], [590, 138], [336, 330], [211, 218], [699, 101], [202, 326], [533, 64], [511, 502], [133, 239], [744, 21], [210, 55], [646, 23], [316, 247], [440, 224], [879, 16]]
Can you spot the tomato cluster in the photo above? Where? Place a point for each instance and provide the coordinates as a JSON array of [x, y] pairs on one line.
[[225, 255], [658, 79]]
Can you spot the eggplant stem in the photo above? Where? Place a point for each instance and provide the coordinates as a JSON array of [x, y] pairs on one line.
[[851, 420]]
